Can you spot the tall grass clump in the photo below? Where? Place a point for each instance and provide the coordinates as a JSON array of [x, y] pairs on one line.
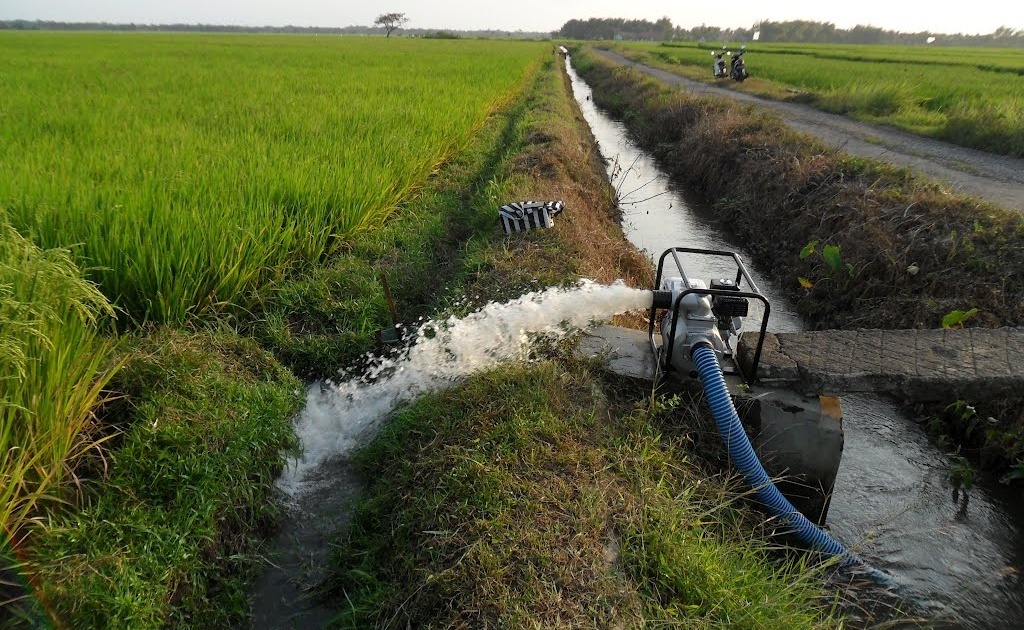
[[54, 365], [871, 99], [998, 124], [194, 169], [166, 532]]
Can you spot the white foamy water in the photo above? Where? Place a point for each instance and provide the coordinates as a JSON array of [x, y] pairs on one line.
[[341, 416]]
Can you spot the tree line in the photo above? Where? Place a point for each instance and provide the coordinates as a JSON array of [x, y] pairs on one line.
[[47, 25], [797, 31]]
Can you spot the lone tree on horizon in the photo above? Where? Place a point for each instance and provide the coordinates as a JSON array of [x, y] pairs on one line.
[[390, 21]]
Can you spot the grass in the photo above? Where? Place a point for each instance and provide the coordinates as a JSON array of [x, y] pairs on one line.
[[969, 97], [164, 531], [527, 498]]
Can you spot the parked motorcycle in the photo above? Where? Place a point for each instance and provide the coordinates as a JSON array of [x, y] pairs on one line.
[[719, 65], [738, 67]]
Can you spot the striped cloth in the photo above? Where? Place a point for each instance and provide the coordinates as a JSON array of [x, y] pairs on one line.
[[520, 216]]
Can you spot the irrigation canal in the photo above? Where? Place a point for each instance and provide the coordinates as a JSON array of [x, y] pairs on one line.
[[958, 556]]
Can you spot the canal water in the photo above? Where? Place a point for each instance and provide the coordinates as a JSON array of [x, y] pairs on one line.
[[319, 485], [955, 557]]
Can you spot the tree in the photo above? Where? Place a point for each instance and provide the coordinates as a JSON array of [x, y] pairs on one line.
[[390, 21]]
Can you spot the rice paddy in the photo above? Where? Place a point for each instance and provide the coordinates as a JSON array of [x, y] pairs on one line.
[[169, 179], [193, 169], [968, 96]]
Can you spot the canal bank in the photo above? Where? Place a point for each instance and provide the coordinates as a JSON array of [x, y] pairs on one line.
[[960, 563], [852, 243]]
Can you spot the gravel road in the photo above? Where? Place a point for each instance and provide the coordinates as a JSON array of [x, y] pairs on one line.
[[994, 178]]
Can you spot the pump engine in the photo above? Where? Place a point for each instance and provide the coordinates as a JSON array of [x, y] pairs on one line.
[[690, 312]]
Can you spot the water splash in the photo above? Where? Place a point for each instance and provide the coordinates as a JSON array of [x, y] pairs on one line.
[[338, 417]]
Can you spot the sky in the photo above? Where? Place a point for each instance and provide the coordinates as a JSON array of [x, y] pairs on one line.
[[522, 15]]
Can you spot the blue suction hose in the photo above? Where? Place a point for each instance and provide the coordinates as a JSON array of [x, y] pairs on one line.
[[742, 455]]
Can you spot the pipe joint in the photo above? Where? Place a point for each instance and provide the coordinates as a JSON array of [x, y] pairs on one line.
[[662, 299]]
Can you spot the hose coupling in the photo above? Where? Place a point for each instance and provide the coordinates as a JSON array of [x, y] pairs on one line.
[[662, 299]]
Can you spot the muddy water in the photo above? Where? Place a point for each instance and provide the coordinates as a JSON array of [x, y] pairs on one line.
[[958, 561], [284, 597]]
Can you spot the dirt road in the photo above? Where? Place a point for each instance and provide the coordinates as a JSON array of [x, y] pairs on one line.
[[993, 178]]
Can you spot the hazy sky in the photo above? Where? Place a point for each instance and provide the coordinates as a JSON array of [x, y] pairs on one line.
[[526, 15]]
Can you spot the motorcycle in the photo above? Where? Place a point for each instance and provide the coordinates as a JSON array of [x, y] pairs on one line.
[[719, 65], [738, 68]]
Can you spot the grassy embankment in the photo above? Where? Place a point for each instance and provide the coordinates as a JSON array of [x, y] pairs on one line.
[[544, 495], [200, 182], [909, 252], [969, 97]]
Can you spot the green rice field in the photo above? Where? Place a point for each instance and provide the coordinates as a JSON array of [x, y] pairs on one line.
[[170, 178], [969, 96], [188, 170]]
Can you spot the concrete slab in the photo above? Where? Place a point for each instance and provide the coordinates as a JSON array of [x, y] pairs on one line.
[[627, 351], [916, 365]]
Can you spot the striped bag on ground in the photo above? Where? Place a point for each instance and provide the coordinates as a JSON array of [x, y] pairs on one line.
[[520, 216]]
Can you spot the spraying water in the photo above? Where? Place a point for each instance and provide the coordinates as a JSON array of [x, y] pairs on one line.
[[338, 417]]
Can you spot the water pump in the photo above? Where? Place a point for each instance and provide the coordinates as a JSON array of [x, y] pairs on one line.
[[689, 312], [698, 323]]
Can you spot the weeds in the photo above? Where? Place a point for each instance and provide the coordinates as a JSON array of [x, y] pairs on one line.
[[956, 319], [557, 507], [837, 271], [983, 435], [961, 474]]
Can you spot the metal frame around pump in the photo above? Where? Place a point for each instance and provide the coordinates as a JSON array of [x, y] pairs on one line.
[[741, 274]]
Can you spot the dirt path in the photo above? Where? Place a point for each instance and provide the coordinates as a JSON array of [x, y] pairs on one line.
[[993, 178]]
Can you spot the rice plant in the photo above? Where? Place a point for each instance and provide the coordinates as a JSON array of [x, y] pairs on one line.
[[193, 169], [53, 367]]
